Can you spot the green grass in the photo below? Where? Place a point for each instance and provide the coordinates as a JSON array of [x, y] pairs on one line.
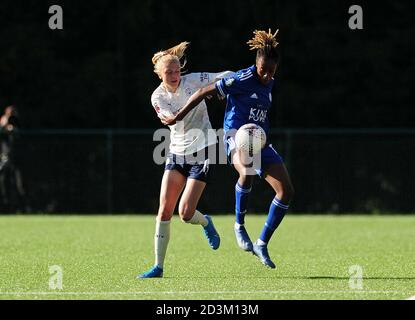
[[101, 255]]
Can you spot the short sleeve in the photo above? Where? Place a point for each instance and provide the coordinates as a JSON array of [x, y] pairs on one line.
[[202, 79], [232, 85], [161, 106]]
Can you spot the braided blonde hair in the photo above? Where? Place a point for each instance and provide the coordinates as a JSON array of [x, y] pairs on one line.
[[266, 44], [173, 54], [262, 39]]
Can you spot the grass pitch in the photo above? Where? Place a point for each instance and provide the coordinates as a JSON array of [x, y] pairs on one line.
[[101, 255]]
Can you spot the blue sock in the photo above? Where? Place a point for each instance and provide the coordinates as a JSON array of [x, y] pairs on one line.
[[241, 203], [276, 213]]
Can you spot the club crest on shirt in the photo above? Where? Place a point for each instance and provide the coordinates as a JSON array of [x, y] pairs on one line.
[[229, 82], [188, 91]]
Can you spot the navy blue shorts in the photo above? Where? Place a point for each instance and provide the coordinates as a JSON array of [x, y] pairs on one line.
[[193, 166], [268, 155]]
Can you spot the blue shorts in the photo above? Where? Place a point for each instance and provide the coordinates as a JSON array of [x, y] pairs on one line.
[[268, 155], [193, 166]]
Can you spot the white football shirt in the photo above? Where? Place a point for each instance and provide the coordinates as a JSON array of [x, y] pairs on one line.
[[194, 132]]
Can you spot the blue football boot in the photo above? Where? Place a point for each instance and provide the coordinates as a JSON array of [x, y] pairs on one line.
[[154, 272], [242, 237], [211, 234], [262, 253]]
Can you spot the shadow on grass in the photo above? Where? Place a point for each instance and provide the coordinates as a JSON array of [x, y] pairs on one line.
[[288, 277], [347, 278]]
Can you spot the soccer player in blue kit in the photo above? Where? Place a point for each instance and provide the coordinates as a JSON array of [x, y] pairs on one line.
[[249, 99]]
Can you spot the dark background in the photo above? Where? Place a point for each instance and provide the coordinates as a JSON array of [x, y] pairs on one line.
[[97, 74]]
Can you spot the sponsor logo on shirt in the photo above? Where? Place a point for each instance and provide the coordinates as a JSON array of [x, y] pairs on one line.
[[204, 77], [229, 82], [258, 115]]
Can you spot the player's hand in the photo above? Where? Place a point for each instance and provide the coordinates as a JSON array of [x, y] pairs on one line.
[[167, 120], [210, 97]]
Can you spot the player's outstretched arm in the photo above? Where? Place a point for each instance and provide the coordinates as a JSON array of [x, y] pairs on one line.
[[193, 101]]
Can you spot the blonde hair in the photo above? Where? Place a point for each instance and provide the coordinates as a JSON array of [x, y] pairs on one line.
[[262, 39], [266, 45], [173, 54]]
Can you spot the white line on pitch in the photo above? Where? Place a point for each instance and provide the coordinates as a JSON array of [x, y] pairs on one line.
[[411, 298], [198, 292]]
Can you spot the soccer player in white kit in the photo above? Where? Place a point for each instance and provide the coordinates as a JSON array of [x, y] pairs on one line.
[[187, 163]]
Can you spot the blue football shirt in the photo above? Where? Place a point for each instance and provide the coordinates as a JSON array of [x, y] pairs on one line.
[[248, 100]]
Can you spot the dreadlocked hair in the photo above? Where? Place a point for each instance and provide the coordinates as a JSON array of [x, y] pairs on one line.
[[173, 54], [266, 44]]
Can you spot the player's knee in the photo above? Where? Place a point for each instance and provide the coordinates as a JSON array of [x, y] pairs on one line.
[[186, 213], [245, 181], [286, 194]]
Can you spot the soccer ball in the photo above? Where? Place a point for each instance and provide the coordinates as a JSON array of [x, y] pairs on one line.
[[250, 138]]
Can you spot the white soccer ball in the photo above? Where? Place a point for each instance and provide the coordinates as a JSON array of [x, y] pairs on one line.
[[250, 138]]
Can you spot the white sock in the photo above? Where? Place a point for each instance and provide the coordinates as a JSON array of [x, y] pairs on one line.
[[198, 218], [261, 243], [238, 226], [161, 240]]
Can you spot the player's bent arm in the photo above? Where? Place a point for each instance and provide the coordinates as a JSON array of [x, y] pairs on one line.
[[221, 75], [193, 101]]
